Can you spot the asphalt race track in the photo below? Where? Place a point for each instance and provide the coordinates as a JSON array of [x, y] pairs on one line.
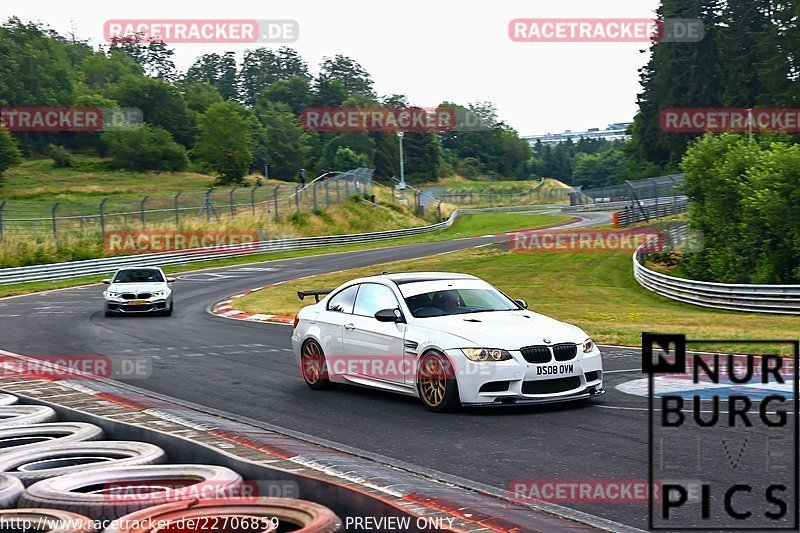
[[247, 368]]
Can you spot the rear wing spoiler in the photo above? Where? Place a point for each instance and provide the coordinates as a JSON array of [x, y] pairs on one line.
[[315, 294]]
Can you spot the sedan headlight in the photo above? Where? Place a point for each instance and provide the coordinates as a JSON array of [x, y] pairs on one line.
[[159, 294], [486, 354], [111, 294], [588, 346]]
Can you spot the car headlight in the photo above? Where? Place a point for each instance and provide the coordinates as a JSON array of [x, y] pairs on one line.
[[111, 294], [159, 294], [588, 346], [486, 354]]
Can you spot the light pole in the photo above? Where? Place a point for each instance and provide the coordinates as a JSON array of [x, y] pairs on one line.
[[402, 184]]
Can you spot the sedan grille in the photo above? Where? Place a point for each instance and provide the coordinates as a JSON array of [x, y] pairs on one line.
[[565, 352], [551, 386], [132, 296], [536, 354]]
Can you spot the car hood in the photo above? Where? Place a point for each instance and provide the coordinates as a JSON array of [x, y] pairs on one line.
[[508, 330], [137, 287]]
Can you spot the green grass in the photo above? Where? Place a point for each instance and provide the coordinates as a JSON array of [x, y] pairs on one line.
[[466, 226], [595, 291]]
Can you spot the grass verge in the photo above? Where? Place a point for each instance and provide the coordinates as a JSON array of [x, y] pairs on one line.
[[464, 226]]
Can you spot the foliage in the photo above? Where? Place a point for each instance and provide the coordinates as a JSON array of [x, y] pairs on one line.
[[145, 148]]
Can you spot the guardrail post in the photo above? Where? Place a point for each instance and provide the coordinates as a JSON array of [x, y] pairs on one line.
[[2, 205], [253, 198], [102, 218], [233, 209], [55, 224], [141, 210], [177, 211]]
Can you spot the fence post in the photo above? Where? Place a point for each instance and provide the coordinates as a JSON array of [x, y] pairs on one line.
[[275, 193], [141, 209], [207, 203], [233, 209], [297, 198], [347, 186], [177, 210], [2, 205], [253, 198], [314, 191], [55, 226], [327, 198], [102, 217]]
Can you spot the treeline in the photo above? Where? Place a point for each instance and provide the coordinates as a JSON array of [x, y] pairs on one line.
[[590, 163], [226, 117], [748, 57], [743, 191]]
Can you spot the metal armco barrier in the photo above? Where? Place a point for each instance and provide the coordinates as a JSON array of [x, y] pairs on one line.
[[775, 299], [107, 265], [653, 209]]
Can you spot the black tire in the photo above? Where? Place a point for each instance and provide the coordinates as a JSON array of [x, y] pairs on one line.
[[60, 521], [66, 492], [313, 366], [8, 399], [110, 313], [294, 515], [17, 438], [10, 490], [436, 383], [169, 311], [23, 415], [30, 466]]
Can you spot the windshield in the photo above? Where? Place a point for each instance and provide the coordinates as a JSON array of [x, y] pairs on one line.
[[139, 275], [458, 302]]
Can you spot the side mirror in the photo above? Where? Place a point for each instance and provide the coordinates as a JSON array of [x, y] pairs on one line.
[[171, 280], [522, 303], [107, 281], [389, 315]]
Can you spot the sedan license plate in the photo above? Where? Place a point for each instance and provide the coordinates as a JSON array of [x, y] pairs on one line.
[[138, 302], [555, 370]]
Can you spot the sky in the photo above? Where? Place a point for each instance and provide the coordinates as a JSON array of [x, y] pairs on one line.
[[430, 50]]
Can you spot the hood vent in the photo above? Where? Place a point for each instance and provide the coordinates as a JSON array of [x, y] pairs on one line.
[[471, 320]]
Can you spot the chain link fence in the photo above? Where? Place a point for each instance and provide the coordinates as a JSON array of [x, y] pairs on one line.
[[27, 218]]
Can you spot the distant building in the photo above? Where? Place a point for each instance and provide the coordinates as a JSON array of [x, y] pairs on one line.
[[614, 132]]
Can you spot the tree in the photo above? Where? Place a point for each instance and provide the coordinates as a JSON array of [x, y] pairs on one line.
[[354, 77], [9, 153], [423, 156], [217, 70], [200, 95], [223, 141], [160, 102], [149, 52], [287, 143], [262, 67], [293, 91], [145, 148], [347, 159]]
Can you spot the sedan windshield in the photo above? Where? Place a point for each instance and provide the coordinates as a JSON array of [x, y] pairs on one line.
[[139, 275], [458, 302]]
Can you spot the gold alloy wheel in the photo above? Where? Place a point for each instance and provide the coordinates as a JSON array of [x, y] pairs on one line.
[[432, 382], [312, 362]]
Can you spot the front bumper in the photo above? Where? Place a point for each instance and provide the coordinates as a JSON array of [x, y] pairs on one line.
[[150, 306], [519, 382]]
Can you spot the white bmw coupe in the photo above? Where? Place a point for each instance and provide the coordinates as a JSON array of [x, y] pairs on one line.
[[448, 339]]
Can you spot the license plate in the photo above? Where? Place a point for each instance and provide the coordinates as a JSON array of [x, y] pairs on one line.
[[555, 370], [138, 302]]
